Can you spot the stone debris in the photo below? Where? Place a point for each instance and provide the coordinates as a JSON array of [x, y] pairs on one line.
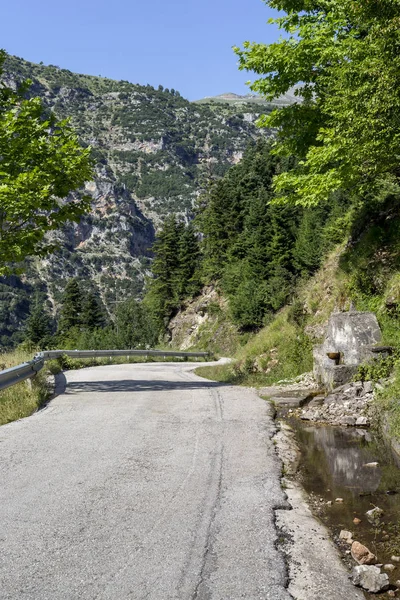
[[395, 558], [346, 405], [292, 393], [346, 536], [389, 567], [374, 515], [370, 578], [356, 521], [371, 464], [339, 500], [362, 555]]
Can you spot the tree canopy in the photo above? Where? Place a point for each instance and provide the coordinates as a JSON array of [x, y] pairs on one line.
[[41, 162], [343, 56]]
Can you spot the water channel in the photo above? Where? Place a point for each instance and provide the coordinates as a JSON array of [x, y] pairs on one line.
[[333, 465]]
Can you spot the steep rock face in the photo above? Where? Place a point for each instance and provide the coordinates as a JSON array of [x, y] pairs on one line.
[[203, 323], [154, 153]]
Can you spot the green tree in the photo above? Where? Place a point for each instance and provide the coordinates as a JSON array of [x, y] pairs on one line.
[[163, 294], [71, 309], [343, 56], [41, 162], [189, 262], [93, 314], [135, 326], [38, 325]]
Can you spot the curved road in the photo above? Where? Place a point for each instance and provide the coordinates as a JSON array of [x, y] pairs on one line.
[[141, 482]]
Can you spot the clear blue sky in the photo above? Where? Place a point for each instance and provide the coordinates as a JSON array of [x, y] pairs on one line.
[[181, 44]]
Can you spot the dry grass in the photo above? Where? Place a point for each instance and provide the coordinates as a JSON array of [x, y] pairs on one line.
[[23, 399]]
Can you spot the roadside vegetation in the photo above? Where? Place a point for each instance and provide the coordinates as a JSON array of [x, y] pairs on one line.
[[305, 224], [23, 399]]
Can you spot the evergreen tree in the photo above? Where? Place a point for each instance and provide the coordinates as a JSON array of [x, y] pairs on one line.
[[163, 294], [307, 249], [38, 326], [92, 312], [189, 261], [70, 315]]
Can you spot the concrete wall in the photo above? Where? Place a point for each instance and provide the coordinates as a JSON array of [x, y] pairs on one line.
[[349, 334]]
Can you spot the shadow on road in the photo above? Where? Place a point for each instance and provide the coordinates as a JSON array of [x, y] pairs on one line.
[[129, 385]]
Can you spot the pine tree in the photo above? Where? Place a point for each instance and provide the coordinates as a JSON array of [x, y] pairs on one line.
[[92, 316], [163, 294], [70, 315], [189, 260], [38, 324], [307, 251]]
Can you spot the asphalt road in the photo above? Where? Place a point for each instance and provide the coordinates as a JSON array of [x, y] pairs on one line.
[[141, 482]]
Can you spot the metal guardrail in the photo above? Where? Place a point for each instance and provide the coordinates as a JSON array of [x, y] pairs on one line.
[[19, 373], [29, 369], [50, 354]]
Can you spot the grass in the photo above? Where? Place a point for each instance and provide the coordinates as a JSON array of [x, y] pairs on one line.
[[23, 399], [279, 351], [387, 404]]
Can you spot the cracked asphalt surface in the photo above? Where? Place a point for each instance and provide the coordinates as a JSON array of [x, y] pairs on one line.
[[141, 482]]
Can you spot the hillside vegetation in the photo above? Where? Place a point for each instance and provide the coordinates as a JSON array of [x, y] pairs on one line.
[[154, 152], [309, 224]]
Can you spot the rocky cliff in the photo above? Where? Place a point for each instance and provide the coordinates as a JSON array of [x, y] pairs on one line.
[[154, 153]]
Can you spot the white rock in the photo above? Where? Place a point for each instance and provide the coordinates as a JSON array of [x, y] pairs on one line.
[[370, 578], [346, 536]]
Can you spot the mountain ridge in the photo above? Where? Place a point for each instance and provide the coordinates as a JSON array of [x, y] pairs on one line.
[[154, 152]]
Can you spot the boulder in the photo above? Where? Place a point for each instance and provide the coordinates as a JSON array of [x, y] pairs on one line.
[[349, 421], [368, 387], [370, 578], [362, 555]]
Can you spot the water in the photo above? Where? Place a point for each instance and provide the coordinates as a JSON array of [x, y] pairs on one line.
[[333, 466]]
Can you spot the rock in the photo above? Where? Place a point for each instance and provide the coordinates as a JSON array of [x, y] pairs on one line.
[[307, 416], [329, 503], [389, 567], [317, 401], [371, 464], [356, 521], [391, 594], [349, 421], [397, 583], [362, 422], [370, 578], [362, 555], [374, 515], [347, 536], [368, 387], [395, 558], [339, 500]]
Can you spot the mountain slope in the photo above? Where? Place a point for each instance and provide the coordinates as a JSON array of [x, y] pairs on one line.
[[154, 152]]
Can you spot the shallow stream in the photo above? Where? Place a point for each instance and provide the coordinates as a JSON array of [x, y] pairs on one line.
[[333, 465]]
